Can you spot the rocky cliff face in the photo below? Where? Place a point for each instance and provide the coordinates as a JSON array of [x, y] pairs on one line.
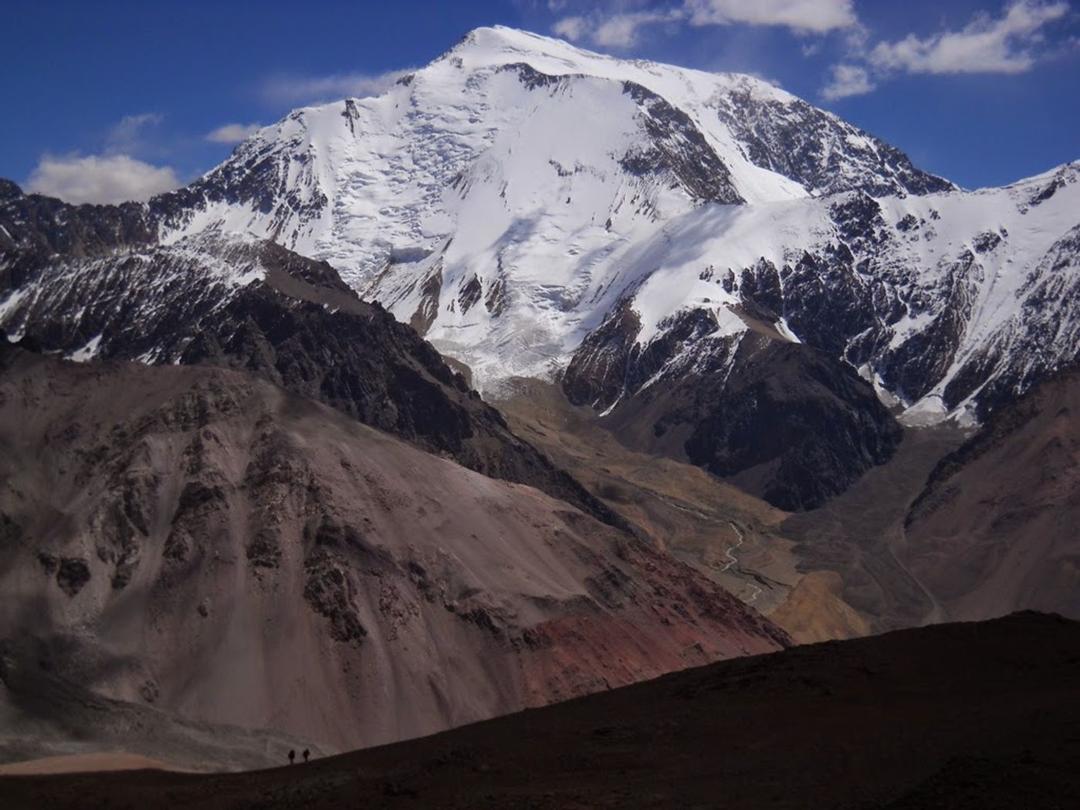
[[202, 542], [822, 152], [784, 421], [35, 229]]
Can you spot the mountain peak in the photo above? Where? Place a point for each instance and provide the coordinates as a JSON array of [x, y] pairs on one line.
[[9, 190], [504, 36], [499, 44]]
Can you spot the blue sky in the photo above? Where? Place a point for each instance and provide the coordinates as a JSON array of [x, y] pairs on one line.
[[121, 99]]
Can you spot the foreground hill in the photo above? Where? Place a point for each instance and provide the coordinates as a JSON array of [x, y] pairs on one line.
[[967, 715], [203, 542]]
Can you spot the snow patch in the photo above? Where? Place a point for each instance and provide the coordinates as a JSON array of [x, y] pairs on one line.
[[87, 351]]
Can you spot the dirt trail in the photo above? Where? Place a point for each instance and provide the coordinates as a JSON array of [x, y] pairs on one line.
[[755, 590]]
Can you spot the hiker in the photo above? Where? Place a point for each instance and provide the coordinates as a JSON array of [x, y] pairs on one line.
[[292, 756], [307, 755]]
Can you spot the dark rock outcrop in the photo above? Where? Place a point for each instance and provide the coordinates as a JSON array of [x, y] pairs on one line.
[[677, 147], [817, 149], [785, 421]]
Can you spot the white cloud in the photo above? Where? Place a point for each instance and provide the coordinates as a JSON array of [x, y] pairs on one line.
[[572, 28], [314, 89], [985, 45], [126, 136], [100, 178], [804, 16], [1005, 44], [620, 28], [233, 133], [847, 80]]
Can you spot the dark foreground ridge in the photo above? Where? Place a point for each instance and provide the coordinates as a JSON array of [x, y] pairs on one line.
[[963, 715]]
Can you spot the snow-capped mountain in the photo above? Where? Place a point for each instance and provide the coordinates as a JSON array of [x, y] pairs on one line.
[[534, 209], [490, 197], [507, 199]]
